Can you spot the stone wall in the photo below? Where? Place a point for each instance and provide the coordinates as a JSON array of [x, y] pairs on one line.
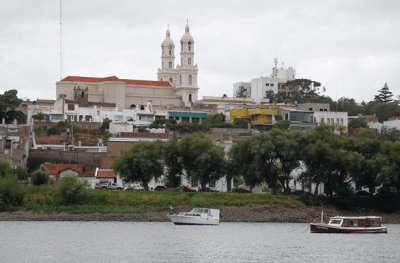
[[87, 158]]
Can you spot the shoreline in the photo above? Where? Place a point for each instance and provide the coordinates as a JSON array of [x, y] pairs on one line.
[[250, 214]]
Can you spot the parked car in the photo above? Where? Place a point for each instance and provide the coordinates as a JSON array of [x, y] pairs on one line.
[[136, 187], [240, 190], [115, 186], [108, 186]]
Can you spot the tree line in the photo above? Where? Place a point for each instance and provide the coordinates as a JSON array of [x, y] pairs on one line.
[[324, 156]]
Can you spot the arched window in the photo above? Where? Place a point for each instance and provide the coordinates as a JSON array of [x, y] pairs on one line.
[[170, 64], [190, 97], [190, 61], [189, 45], [190, 79], [141, 107], [133, 106], [83, 94]]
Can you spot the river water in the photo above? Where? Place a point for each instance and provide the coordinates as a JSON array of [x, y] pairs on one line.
[[165, 242]]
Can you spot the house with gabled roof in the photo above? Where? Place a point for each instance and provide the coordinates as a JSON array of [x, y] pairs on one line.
[[58, 171]]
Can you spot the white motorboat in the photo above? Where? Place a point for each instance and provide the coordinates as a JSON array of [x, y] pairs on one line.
[[198, 216]]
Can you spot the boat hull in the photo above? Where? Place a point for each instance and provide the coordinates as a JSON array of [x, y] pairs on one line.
[[324, 228], [188, 220]]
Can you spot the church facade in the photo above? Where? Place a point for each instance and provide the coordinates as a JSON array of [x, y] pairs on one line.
[[176, 86]]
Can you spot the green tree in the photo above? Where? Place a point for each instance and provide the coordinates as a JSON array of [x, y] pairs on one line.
[[348, 105], [5, 168], [287, 152], [173, 161], [202, 160], [72, 191], [141, 163], [384, 95], [8, 104], [243, 164], [241, 92], [39, 117], [324, 158], [216, 118], [265, 158], [368, 162], [12, 193], [21, 173], [282, 125], [358, 123], [39, 177]]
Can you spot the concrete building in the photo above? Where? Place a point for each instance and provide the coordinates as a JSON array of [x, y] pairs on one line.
[[331, 118], [183, 77], [257, 88], [176, 86]]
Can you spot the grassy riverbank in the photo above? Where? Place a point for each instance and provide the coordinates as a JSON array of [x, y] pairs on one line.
[[43, 205], [45, 201]]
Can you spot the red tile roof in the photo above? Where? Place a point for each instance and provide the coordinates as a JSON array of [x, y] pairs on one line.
[[105, 173], [57, 168], [114, 78]]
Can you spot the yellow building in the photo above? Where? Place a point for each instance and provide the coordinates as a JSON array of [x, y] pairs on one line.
[[255, 116]]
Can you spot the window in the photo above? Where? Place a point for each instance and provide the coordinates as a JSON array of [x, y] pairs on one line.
[[190, 97], [162, 64], [190, 61], [272, 84], [170, 64], [322, 120], [189, 46], [190, 79], [180, 79], [212, 183], [170, 80], [267, 84], [141, 107], [82, 94], [341, 120]]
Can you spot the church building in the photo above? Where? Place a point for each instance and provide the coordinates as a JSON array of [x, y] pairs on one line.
[[176, 86]]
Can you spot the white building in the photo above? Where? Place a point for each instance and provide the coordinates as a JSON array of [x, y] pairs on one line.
[[331, 118], [175, 87], [386, 126], [258, 87], [183, 77]]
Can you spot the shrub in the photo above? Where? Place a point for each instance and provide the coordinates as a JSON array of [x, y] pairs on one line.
[[12, 193], [72, 191], [39, 177]]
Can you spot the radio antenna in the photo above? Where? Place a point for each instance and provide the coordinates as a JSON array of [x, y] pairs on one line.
[[60, 39]]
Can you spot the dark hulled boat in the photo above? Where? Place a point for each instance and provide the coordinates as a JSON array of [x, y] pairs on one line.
[[348, 224]]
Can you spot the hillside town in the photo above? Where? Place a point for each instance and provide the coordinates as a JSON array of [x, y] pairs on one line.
[[93, 121]]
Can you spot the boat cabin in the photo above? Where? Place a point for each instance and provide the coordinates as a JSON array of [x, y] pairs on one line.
[[368, 221]]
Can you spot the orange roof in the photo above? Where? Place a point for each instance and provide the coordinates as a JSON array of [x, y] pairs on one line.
[[57, 168], [114, 78], [105, 173]]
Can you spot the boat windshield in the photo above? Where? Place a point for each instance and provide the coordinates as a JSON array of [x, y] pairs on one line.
[[337, 222], [200, 210]]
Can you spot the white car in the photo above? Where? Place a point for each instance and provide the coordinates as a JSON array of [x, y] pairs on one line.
[[137, 187]]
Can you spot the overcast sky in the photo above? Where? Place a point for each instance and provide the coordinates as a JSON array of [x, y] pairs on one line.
[[351, 47]]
